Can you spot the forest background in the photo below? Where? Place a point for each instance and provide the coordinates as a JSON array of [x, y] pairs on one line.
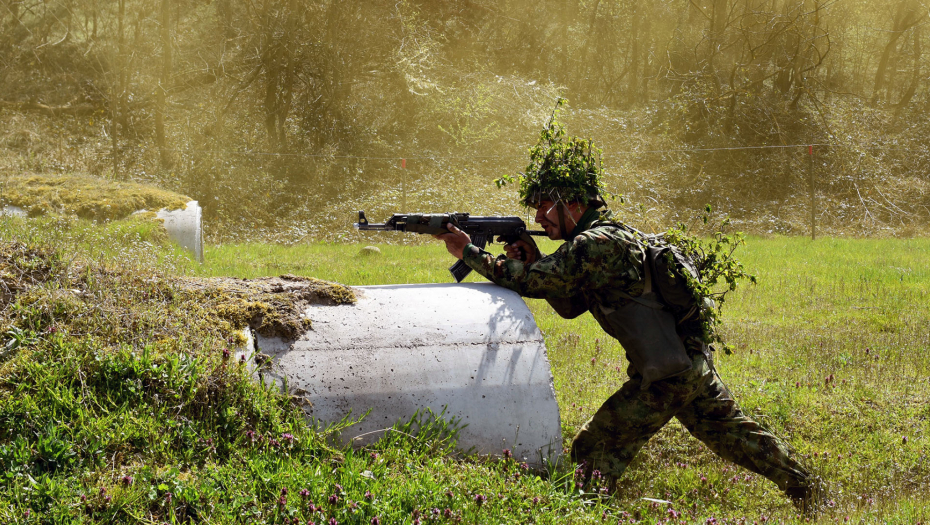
[[283, 117]]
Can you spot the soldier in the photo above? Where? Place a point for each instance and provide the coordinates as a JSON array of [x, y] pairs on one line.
[[601, 268]]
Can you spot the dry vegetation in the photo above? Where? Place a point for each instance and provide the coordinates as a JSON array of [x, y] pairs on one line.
[[282, 118]]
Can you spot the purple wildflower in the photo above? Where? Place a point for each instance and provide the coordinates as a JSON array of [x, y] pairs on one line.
[[480, 499]]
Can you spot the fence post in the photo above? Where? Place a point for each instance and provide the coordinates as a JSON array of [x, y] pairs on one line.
[[810, 174], [403, 167]]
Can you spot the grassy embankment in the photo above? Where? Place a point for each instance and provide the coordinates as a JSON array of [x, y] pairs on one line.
[[118, 418]]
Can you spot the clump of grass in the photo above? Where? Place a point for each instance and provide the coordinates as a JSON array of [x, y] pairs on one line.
[[84, 196]]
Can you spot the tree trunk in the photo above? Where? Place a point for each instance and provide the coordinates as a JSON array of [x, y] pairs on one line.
[[272, 66], [163, 80], [915, 77], [905, 18], [116, 104], [285, 97], [633, 81], [646, 63], [69, 19], [718, 24], [225, 11]]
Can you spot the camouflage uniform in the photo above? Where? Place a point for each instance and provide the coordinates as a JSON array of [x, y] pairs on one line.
[[592, 270]]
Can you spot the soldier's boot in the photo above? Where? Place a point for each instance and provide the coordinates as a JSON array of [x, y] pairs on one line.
[[808, 499]]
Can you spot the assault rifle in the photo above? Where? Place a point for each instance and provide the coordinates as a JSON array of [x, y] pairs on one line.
[[482, 230]]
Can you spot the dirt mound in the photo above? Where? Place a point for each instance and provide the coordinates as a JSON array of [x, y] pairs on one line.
[[122, 306], [272, 306]]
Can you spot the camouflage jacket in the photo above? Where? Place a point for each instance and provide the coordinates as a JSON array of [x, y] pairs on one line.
[[585, 274]]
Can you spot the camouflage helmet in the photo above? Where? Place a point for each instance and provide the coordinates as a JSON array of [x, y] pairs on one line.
[[591, 197], [561, 169]]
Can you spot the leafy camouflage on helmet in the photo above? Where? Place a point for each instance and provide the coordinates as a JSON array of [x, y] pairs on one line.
[[561, 168]]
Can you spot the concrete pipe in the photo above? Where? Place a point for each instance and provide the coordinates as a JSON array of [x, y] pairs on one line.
[[471, 349], [185, 227], [13, 211]]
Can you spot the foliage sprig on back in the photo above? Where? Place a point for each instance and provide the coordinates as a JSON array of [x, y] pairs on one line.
[[720, 272], [561, 167]]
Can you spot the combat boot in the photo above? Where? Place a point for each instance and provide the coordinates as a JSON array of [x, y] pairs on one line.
[[808, 499]]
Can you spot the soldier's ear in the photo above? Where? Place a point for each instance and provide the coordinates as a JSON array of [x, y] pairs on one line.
[[577, 206]]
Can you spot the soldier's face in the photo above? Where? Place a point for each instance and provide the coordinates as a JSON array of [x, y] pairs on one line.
[[547, 216]]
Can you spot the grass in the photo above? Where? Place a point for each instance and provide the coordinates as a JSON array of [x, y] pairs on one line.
[[831, 354], [853, 310]]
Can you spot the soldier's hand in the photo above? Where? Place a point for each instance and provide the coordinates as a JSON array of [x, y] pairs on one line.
[[522, 251], [456, 240]]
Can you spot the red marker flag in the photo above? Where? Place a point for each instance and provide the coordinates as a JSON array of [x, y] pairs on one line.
[[810, 149], [403, 163]]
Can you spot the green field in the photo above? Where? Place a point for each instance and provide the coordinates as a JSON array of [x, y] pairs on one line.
[[851, 308], [831, 353]]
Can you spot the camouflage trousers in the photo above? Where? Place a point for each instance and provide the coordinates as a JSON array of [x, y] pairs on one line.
[[703, 404]]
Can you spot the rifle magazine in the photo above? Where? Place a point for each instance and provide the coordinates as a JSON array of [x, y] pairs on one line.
[[459, 271]]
